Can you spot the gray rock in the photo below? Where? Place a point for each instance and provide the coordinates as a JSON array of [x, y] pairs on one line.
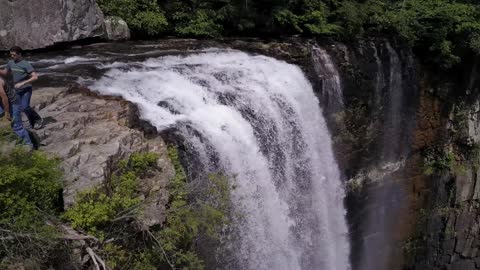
[[41, 23], [90, 134], [465, 185], [463, 265], [116, 29]]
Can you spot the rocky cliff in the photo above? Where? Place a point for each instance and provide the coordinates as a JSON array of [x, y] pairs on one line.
[[38, 24], [407, 141], [90, 134]]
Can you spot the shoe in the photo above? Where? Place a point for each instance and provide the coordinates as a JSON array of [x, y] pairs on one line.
[[38, 124]]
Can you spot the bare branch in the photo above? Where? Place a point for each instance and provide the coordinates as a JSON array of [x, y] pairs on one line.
[[93, 257], [161, 248]]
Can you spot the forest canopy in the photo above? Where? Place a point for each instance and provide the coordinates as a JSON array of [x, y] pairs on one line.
[[445, 29]]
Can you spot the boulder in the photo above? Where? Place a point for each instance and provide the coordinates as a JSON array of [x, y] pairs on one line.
[[116, 29], [41, 23]]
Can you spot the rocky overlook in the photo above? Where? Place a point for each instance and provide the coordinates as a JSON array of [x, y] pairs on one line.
[[90, 134]]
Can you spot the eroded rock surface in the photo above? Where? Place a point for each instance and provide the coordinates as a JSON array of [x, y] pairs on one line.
[[90, 134]]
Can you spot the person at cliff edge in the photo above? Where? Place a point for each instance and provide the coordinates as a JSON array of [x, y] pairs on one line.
[[23, 76], [13, 109]]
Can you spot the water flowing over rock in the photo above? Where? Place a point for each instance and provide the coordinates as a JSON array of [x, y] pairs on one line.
[[41, 23], [332, 94], [258, 120]]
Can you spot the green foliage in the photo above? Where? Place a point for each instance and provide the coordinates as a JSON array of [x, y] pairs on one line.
[[6, 132], [142, 16], [436, 161], [105, 210], [201, 24], [29, 193], [441, 30], [187, 219], [312, 21], [98, 207], [441, 26], [29, 183]]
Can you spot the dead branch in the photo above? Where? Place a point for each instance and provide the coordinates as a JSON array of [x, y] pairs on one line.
[[93, 257], [161, 248], [96, 260]]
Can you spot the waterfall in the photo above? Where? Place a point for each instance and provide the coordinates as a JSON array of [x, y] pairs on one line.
[[331, 83], [260, 120], [392, 143], [386, 200]]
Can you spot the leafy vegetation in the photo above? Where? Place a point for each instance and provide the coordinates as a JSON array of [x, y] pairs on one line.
[[189, 218], [438, 161], [95, 209], [109, 212], [32, 232], [29, 194]]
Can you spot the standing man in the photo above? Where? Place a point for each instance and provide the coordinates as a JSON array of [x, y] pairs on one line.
[[13, 111], [23, 76]]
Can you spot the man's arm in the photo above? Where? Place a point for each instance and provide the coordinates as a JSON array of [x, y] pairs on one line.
[[5, 103], [33, 77], [3, 71]]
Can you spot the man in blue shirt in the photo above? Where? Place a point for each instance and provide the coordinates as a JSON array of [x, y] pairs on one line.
[[23, 76], [13, 110]]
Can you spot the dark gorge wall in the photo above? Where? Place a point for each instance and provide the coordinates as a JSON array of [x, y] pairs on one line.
[[373, 136], [406, 139]]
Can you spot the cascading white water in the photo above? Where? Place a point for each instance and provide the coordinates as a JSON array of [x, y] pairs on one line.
[[261, 120], [331, 83]]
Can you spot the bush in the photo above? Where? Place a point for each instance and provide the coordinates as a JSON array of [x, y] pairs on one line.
[[438, 161], [106, 211], [97, 208], [201, 24], [187, 219], [442, 27], [142, 16], [30, 192]]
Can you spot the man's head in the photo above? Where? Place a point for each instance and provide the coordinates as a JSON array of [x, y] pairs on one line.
[[16, 53]]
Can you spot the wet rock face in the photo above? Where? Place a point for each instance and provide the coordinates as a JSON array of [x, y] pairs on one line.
[[90, 134], [372, 129], [41, 23]]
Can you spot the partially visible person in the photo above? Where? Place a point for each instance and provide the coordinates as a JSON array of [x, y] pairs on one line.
[[23, 76], [13, 110]]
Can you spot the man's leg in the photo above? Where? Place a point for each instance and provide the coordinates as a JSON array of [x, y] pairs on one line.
[[32, 115], [17, 124], [4, 106]]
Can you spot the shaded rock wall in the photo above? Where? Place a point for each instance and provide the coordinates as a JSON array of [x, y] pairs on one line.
[[41, 23], [407, 141], [447, 235]]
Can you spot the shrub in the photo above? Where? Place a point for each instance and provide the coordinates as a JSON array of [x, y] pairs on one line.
[[142, 16], [105, 211], [98, 207], [29, 193]]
